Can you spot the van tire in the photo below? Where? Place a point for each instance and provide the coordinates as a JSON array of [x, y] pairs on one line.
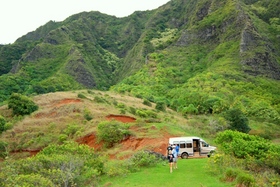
[[184, 155]]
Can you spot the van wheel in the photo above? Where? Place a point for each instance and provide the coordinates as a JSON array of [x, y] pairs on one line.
[[211, 153], [184, 155]]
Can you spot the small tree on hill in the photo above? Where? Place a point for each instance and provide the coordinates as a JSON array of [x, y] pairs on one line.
[[238, 120], [21, 105], [2, 124], [161, 106]]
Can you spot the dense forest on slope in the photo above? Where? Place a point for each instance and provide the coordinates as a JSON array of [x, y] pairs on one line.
[[207, 68], [196, 57]]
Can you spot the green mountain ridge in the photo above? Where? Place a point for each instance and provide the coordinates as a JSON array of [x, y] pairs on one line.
[[211, 54]]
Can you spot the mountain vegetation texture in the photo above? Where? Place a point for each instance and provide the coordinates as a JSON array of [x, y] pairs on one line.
[[195, 57], [208, 68]]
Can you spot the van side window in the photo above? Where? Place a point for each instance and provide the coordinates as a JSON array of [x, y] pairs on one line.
[[189, 145], [182, 145]]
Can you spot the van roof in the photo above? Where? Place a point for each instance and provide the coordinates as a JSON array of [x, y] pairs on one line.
[[171, 140], [185, 137]]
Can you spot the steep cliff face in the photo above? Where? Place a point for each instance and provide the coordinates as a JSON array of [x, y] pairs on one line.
[[257, 53]]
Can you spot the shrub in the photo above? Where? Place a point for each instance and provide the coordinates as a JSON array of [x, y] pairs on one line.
[[122, 111], [69, 164], [99, 99], [2, 124], [146, 102], [132, 110], [161, 106], [121, 105], [141, 113], [62, 137], [71, 129], [231, 174], [87, 115], [118, 168], [3, 149], [112, 132], [238, 121], [245, 179], [272, 158], [21, 105], [242, 145], [82, 96], [144, 159], [31, 180]]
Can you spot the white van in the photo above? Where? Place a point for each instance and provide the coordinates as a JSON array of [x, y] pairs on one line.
[[191, 145]]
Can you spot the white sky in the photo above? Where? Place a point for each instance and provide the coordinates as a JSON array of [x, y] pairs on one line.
[[18, 17]]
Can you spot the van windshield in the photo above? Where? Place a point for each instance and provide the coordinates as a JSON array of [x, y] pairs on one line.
[[204, 144]]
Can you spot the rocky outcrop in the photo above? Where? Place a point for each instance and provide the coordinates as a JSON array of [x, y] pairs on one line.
[[257, 53], [78, 70]]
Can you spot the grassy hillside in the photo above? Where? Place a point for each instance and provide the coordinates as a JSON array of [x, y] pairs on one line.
[[74, 115]]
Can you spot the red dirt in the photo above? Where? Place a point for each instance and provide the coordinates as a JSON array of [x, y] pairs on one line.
[[67, 101], [121, 118], [131, 143]]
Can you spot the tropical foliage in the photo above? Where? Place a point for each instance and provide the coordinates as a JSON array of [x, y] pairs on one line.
[[216, 63]]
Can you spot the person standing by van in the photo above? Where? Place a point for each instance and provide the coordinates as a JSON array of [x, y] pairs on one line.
[[169, 148], [177, 149], [170, 158], [175, 159]]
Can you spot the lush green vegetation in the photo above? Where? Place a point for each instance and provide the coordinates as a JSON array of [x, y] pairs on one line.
[[21, 105], [112, 132], [246, 159], [69, 164], [196, 67]]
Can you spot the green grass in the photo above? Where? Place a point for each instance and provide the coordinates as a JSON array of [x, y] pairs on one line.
[[190, 172]]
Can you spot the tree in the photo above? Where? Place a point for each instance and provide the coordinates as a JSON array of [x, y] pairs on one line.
[[112, 132], [2, 124], [238, 121], [21, 105], [160, 105]]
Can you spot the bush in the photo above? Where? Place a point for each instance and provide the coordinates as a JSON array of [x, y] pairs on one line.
[[3, 149], [272, 158], [161, 106], [31, 180], [82, 96], [231, 174], [69, 164], [21, 105], [87, 115], [132, 110], [2, 124], [112, 132], [238, 121], [245, 179], [99, 99], [242, 145], [141, 113], [144, 159], [146, 102]]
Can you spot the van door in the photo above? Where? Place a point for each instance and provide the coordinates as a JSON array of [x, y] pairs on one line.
[[204, 148], [196, 147]]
